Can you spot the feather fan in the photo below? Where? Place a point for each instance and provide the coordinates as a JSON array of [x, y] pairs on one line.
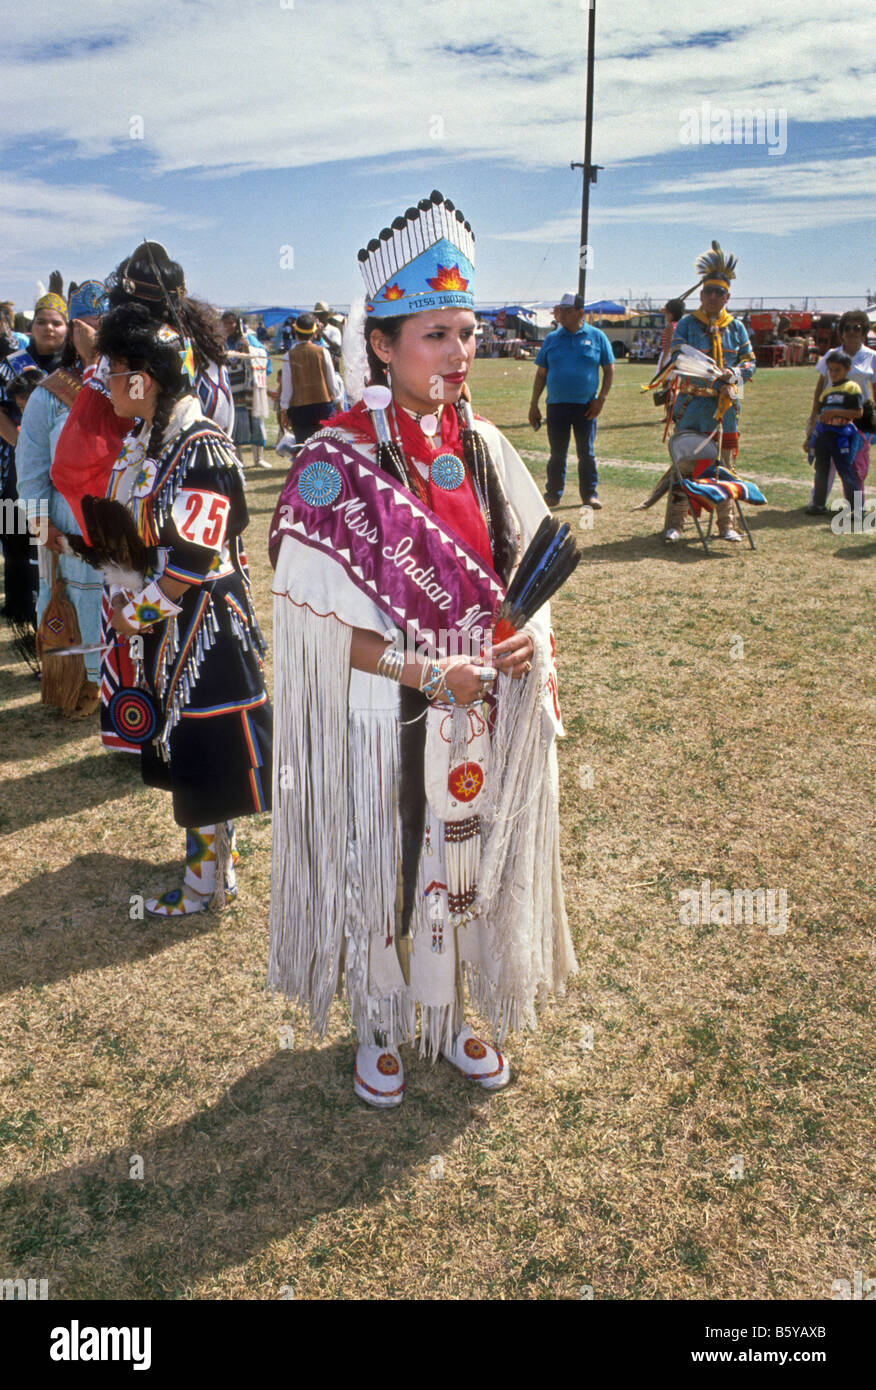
[[550, 558], [115, 545]]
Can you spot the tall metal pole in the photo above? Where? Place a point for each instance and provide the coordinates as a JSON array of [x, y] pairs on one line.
[[583, 253]]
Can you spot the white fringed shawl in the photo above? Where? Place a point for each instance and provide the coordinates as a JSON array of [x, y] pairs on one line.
[[336, 829]]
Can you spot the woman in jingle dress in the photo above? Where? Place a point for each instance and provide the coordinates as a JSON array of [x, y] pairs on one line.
[[416, 850], [202, 649]]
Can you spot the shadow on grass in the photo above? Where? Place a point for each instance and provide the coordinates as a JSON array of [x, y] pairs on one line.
[[62, 791], [30, 731], [856, 552], [60, 924], [16, 679], [287, 1142], [784, 519], [652, 547]]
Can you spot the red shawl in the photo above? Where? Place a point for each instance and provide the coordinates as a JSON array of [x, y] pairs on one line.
[[87, 448]]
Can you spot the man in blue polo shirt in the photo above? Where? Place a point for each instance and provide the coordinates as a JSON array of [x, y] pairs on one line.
[[568, 363]]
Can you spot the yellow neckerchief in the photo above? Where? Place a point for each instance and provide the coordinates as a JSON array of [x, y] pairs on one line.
[[715, 327]]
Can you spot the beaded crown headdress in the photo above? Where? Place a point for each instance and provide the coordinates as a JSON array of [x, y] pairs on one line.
[[53, 301], [425, 260], [88, 300]]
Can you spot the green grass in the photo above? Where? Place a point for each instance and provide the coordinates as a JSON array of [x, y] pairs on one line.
[[606, 1166]]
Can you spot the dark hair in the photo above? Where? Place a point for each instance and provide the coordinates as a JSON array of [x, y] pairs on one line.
[[22, 386], [839, 356], [69, 355], [675, 309], [391, 328], [130, 334], [855, 318], [150, 278]]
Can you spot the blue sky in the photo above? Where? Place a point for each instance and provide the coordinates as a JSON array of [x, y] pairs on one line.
[[233, 129]]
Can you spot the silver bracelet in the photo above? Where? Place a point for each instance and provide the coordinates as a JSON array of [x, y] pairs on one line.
[[391, 664]]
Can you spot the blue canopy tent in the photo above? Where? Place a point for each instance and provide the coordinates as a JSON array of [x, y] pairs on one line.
[[605, 306], [272, 315]]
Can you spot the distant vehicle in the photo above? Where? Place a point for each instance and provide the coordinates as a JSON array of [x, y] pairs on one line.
[[622, 333]]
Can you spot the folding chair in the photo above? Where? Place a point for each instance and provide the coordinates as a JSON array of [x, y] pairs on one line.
[[687, 448]]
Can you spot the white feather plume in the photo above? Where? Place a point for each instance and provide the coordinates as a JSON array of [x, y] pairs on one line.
[[353, 349]]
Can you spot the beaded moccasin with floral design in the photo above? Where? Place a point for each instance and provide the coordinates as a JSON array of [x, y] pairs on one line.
[[478, 1060], [378, 1076]]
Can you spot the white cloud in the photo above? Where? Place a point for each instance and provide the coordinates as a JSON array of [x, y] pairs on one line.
[[92, 218], [771, 201], [264, 86]]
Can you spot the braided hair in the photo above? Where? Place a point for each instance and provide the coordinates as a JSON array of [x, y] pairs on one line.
[[129, 334]]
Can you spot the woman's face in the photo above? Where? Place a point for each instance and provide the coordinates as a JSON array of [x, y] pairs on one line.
[[430, 359], [132, 393], [48, 330], [853, 338]]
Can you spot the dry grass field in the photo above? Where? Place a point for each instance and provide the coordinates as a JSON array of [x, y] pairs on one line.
[[694, 1120]]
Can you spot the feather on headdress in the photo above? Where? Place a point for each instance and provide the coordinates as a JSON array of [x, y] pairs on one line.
[[716, 268]]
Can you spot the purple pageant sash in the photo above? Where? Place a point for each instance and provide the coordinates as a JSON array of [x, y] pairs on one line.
[[424, 578]]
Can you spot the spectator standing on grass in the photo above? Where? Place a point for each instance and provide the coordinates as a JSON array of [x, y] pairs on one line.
[[329, 333], [673, 312], [834, 443], [248, 367], [854, 326], [568, 364], [23, 367], [42, 423], [311, 389]]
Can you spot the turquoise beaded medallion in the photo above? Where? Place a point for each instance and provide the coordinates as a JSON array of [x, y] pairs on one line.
[[319, 484], [447, 472]]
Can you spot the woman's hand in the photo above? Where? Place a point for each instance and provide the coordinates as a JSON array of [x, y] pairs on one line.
[[463, 679], [85, 342], [513, 656], [118, 621]]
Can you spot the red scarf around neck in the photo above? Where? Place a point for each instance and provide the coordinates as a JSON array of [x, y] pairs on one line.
[[459, 511]]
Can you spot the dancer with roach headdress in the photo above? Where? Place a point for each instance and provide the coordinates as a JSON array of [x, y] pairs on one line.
[[711, 357], [416, 850]]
